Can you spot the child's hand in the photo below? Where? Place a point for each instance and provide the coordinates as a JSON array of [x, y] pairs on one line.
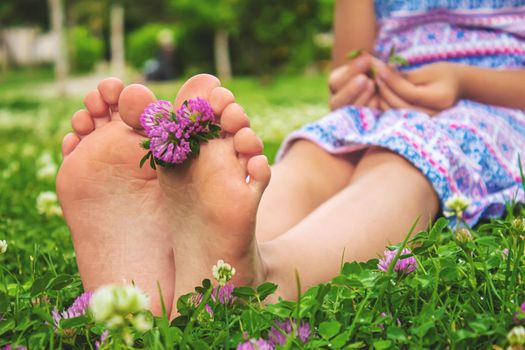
[[350, 85], [431, 89]]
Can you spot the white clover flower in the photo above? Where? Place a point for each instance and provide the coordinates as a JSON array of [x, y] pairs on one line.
[[45, 159], [113, 304], [101, 304], [222, 272], [129, 299], [47, 204], [47, 168], [3, 246], [47, 172], [115, 321], [142, 323], [457, 204], [516, 336]]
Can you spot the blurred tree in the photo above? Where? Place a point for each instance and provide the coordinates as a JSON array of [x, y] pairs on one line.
[[144, 12], [325, 14], [101, 17], [24, 12], [4, 8], [217, 15], [93, 14], [117, 38], [85, 50], [56, 8], [280, 34]]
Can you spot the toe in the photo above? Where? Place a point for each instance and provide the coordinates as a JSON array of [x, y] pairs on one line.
[[96, 106], [259, 172], [220, 97], [110, 90], [82, 123], [234, 118], [132, 102], [247, 143], [200, 85], [69, 143]]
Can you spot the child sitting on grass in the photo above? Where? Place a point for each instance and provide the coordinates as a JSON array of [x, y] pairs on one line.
[[396, 146]]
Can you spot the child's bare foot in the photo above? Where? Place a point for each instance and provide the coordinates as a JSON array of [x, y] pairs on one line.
[[212, 206], [115, 210]]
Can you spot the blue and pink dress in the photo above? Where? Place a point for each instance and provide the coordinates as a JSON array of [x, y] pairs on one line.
[[471, 149]]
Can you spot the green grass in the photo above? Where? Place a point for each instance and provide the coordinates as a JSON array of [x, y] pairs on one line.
[[461, 296]]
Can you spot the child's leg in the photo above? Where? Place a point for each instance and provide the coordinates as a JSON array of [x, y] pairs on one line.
[[303, 180], [385, 196]]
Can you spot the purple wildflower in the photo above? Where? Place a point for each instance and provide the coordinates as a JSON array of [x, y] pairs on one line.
[[406, 265], [195, 300], [281, 330], [154, 113], [196, 112], [10, 347], [225, 294], [519, 316], [78, 308], [303, 332], [162, 145], [171, 134], [208, 309], [255, 344], [100, 342]]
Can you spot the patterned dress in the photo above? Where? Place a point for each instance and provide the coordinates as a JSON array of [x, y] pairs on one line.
[[471, 149]]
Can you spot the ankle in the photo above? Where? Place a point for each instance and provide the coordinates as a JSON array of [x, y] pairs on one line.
[[277, 271]]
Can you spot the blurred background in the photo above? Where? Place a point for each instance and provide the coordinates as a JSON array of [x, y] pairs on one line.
[[224, 37], [272, 54]]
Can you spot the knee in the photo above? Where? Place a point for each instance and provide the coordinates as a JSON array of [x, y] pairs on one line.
[[376, 156], [386, 165], [316, 163], [374, 151]]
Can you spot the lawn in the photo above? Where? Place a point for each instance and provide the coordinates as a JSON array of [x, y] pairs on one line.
[[463, 291]]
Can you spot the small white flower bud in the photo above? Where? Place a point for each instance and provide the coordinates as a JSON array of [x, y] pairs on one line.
[[47, 204], [463, 235], [516, 336], [3, 246], [222, 272], [457, 204], [113, 303]]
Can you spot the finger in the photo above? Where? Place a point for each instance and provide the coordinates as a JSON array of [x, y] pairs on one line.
[[348, 93], [341, 75], [383, 105], [418, 76], [406, 90], [363, 99], [392, 100], [390, 96], [374, 102]]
